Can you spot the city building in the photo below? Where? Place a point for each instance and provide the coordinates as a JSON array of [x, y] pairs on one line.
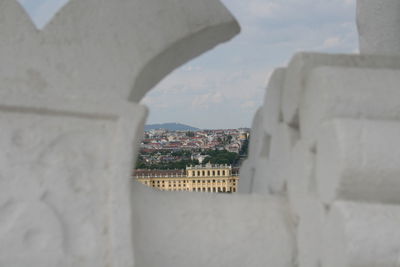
[[199, 178]]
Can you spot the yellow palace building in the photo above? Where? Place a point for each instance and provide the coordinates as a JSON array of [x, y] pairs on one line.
[[199, 178]]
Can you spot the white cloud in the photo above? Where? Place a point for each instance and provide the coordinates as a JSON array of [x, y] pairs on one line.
[[155, 102], [350, 2], [263, 9], [332, 42], [215, 94], [203, 101]]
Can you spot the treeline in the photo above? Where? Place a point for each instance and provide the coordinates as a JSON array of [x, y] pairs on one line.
[[178, 153], [221, 157], [141, 164], [213, 157]]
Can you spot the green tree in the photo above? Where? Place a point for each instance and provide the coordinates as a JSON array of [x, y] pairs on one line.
[[221, 157]]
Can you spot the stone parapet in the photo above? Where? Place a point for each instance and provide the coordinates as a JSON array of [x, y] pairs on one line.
[[334, 155]]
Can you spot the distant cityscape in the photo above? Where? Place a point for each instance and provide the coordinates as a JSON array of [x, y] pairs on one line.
[[176, 149], [177, 157]]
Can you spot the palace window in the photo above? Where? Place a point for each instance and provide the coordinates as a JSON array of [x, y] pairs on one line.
[[217, 180]]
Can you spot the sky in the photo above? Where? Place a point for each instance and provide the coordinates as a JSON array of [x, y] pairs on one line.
[[224, 87]]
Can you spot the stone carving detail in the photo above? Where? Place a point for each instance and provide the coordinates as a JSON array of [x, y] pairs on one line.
[[32, 231], [66, 169]]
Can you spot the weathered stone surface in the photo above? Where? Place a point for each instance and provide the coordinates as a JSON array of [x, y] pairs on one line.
[[258, 152], [361, 234], [272, 107], [192, 229], [358, 93], [283, 141], [358, 160], [301, 182], [303, 63], [111, 49], [65, 182], [378, 23], [311, 221], [247, 170]]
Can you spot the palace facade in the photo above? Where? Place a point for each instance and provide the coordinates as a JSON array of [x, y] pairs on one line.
[[199, 178]]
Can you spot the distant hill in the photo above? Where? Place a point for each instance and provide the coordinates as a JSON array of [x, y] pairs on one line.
[[172, 126]]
